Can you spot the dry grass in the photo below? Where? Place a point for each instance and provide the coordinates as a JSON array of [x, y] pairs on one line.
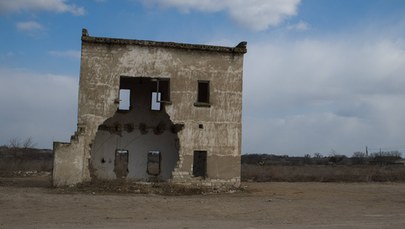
[[323, 173], [14, 160], [131, 187]]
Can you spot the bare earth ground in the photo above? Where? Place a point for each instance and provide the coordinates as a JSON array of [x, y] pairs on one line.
[[30, 203]]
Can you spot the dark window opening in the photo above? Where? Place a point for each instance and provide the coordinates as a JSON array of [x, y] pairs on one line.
[[124, 100], [164, 89], [153, 164], [162, 86], [203, 94], [161, 94], [200, 164]]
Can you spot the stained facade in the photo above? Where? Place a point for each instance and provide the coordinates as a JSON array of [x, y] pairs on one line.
[[155, 111]]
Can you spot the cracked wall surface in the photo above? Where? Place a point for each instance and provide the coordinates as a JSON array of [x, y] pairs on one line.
[[215, 129]]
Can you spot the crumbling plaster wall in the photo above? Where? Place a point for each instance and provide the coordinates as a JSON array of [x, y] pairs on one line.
[[102, 64]]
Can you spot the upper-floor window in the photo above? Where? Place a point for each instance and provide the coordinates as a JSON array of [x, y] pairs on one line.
[[203, 94], [156, 99], [124, 100], [161, 94], [164, 89]]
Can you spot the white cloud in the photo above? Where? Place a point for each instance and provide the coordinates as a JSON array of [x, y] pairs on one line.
[[41, 106], [300, 26], [315, 95], [29, 26], [256, 15], [59, 6], [67, 53]]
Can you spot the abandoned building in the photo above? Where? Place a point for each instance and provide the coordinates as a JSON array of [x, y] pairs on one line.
[[155, 111]]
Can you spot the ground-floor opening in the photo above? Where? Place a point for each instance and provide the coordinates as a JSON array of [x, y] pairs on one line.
[[200, 164]]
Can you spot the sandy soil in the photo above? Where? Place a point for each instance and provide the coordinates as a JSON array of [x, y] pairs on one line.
[[31, 203]]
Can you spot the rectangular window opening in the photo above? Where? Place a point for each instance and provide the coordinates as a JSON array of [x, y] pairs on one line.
[[164, 89], [203, 94], [156, 100], [125, 100], [200, 164], [153, 164]]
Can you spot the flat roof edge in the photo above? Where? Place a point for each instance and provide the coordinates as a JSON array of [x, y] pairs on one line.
[[241, 48]]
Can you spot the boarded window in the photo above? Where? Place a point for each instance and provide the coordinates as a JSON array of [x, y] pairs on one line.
[[156, 99], [200, 164], [153, 164], [203, 92], [125, 100]]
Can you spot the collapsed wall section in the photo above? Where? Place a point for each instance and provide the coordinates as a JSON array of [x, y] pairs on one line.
[[140, 141]]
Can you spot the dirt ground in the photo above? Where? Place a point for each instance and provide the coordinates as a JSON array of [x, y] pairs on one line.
[[30, 202]]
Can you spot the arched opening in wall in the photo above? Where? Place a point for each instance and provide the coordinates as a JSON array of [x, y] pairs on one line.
[[139, 142]]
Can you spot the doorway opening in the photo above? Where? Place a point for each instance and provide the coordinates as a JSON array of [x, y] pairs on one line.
[[121, 163], [200, 164], [153, 164]]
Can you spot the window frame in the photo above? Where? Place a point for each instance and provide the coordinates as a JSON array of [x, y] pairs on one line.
[[165, 99], [206, 101], [120, 99], [155, 105]]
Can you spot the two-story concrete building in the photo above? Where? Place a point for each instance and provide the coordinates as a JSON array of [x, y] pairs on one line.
[[155, 111]]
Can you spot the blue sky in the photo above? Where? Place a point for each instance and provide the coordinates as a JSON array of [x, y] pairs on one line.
[[320, 75]]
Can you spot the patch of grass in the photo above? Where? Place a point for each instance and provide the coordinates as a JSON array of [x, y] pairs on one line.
[[323, 173], [131, 187]]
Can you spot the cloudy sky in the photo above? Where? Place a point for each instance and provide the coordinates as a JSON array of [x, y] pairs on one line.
[[320, 75]]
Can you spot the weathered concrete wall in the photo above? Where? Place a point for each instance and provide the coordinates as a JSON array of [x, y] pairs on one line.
[[68, 163], [104, 61]]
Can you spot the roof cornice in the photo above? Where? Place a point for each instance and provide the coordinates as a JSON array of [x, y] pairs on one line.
[[239, 49]]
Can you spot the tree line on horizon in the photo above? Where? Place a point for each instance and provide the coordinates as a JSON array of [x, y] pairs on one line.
[[357, 158]]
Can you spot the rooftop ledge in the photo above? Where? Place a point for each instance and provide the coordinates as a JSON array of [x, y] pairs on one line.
[[240, 48]]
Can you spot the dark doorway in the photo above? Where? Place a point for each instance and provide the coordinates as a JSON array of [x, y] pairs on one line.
[[200, 164], [121, 163], [153, 166]]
